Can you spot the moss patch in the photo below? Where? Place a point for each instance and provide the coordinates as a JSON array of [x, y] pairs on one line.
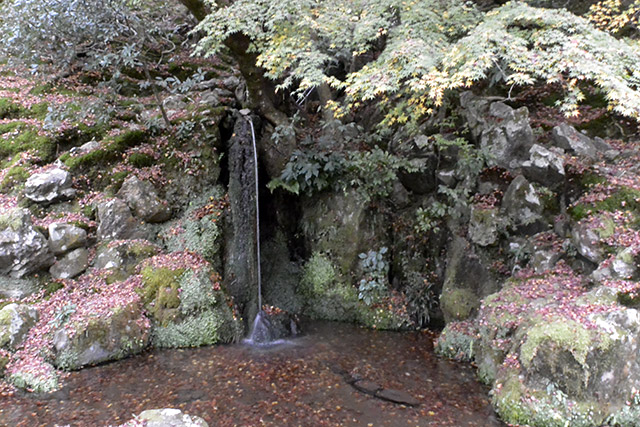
[[160, 293], [626, 199]]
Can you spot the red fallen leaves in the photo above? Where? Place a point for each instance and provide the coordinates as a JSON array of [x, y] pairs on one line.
[[213, 207], [177, 260]]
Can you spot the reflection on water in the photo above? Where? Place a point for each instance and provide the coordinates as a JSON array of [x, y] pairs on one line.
[[295, 383]]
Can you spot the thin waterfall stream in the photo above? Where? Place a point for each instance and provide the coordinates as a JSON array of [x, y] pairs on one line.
[[262, 331]]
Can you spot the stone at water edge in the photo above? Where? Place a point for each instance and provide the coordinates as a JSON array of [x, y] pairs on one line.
[[49, 186], [274, 325], [15, 322], [167, 417]]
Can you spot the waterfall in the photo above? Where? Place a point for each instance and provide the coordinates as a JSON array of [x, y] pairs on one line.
[[255, 163]]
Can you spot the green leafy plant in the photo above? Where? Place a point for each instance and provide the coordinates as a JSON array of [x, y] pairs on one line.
[[376, 269]]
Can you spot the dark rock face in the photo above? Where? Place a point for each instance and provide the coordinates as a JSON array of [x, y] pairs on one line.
[[48, 187], [240, 236], [467, 281], [504, 133], [143, 200], [23, 249], [115, 221]]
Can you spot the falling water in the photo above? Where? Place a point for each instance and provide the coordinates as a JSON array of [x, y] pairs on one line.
[[255, 163]]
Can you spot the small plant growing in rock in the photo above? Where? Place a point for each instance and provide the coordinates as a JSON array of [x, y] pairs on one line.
[[374, 285]]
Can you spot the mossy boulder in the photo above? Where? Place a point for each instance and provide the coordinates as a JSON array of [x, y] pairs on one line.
[[33, 375], [458, 341], [329, 296], [185, 300], [199, 228], [342, 225], [90, 339], [15, 322], [554, 352], [121, 257]]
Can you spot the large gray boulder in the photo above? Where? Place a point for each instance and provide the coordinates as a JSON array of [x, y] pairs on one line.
[[15, 322], [567, 137], [65, 237], [504, 133], [71, 264], [115, 221], [50, 186], [23, 249], [167, 417], [587, 242], [522, 206], [484, 225], [544, 166], [143, 200]]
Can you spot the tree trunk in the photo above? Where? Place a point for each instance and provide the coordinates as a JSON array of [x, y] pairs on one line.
[[262, 96]]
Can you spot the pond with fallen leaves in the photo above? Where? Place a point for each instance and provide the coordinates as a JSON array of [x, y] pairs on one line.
[[298, 383]]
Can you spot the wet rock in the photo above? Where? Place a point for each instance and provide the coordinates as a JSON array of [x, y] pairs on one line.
[[23, 249], [273, 325], [115, 221], [143, 200], [71, 264], [522, 206], [49, 186], [544, 166], [484, 225], [99, 339], [166, 418], [567, 137], [65, 237], [397, 396], [586, 241], [504, 133], [122, 257], [466, 282], [368, 387], [15, 322]]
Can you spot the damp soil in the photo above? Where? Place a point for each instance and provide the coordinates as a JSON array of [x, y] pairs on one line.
[[297, 383]]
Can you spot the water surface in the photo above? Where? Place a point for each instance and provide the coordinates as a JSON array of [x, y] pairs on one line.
[[294, 384]]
